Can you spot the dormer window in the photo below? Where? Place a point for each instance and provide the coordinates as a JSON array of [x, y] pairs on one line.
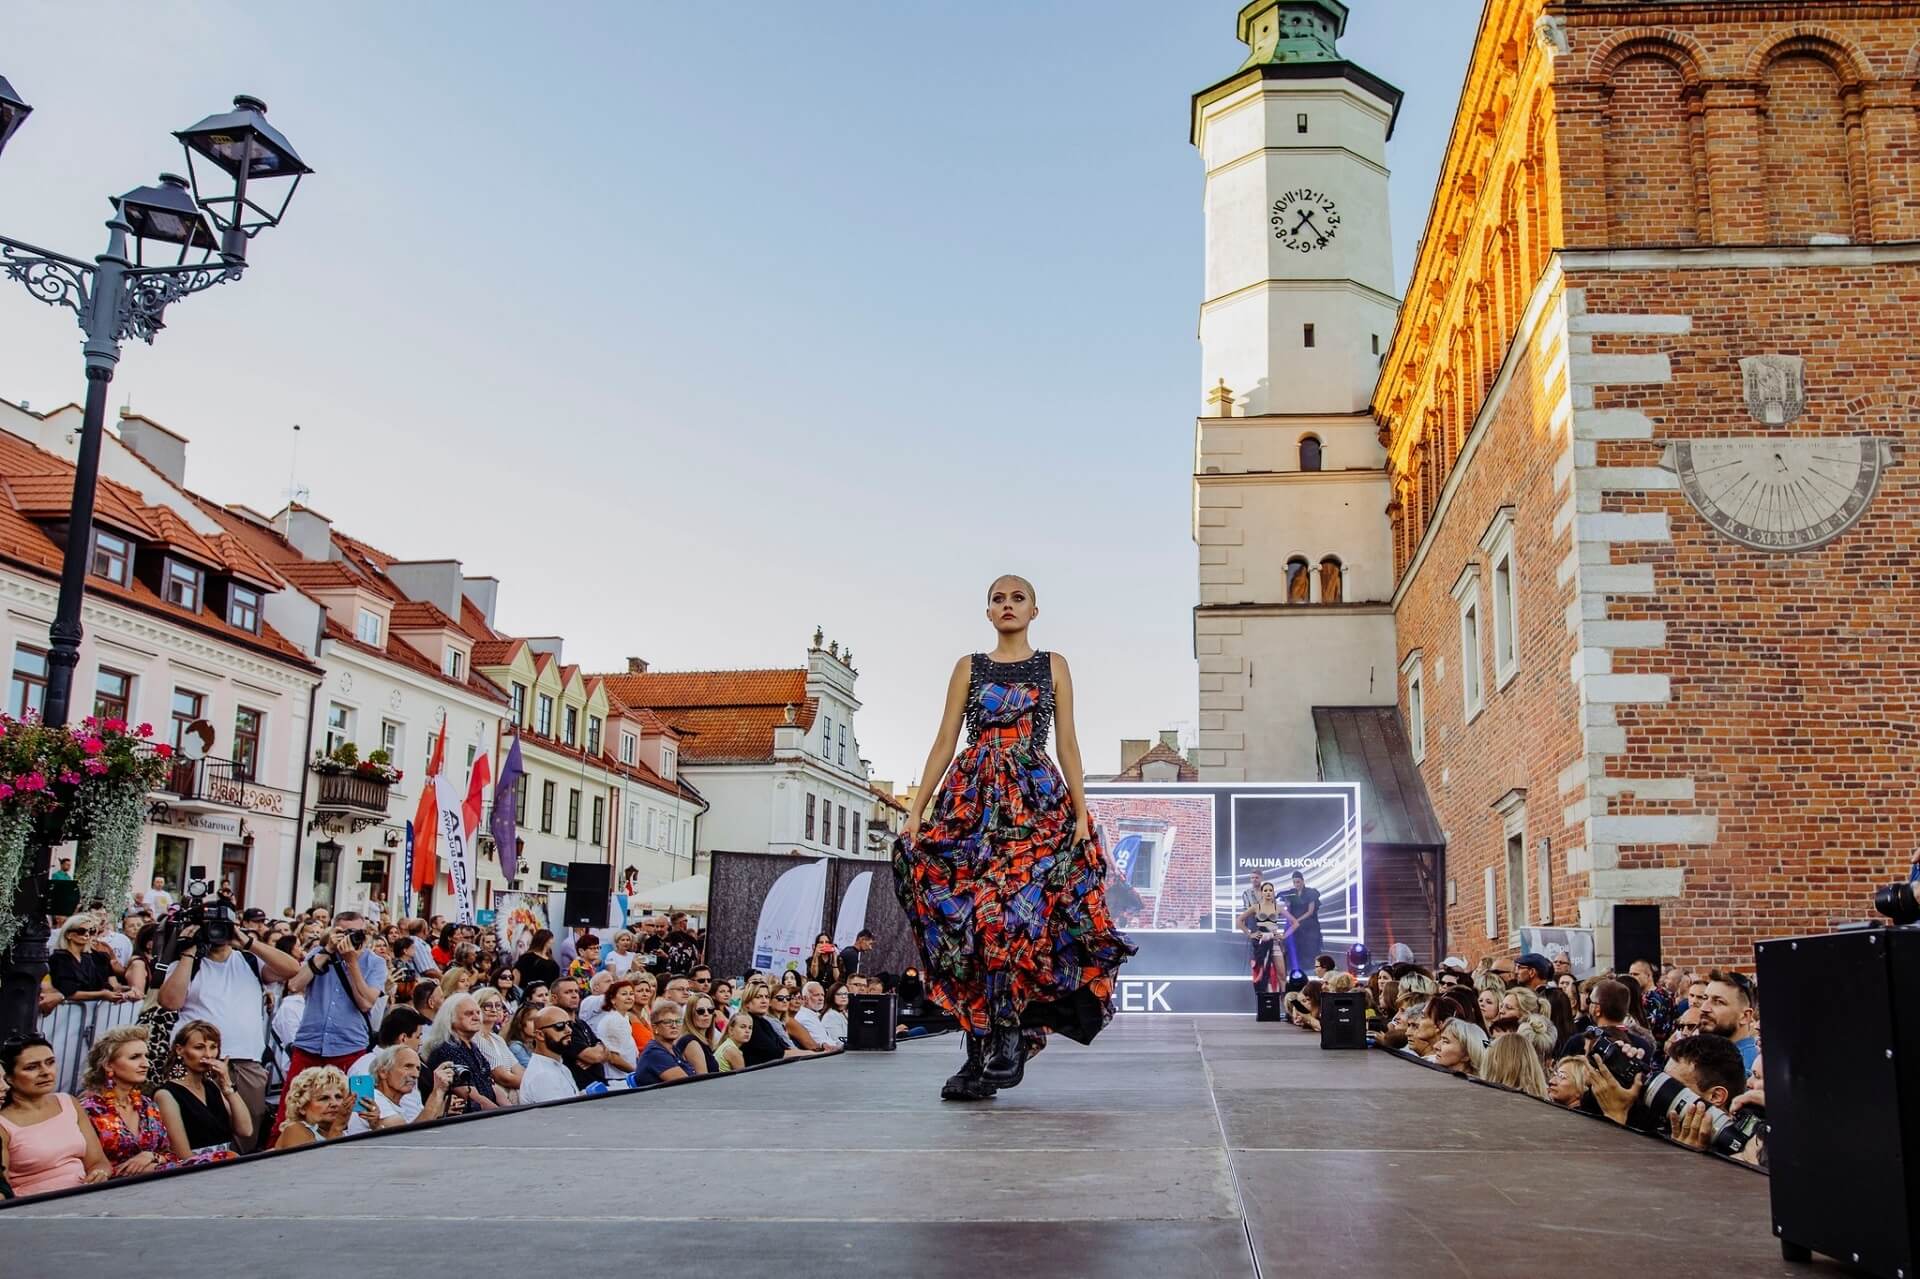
[[182, 586], [543, 722], [243, 608], [667, 754], [366, 627], [626, 748], [455, 664], [112, 557], [593, 735], [572, 722]]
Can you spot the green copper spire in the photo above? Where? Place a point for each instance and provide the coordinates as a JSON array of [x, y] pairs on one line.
[[1282, 31]]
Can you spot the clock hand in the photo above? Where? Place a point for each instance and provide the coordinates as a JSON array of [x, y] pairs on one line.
[[1780, 462], [1306, 219]]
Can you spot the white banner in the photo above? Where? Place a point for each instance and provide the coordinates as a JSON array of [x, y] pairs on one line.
[[790, 918], [853, 911], [453, 847]]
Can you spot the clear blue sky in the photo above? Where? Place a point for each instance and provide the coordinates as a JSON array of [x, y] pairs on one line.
[[700, 324]]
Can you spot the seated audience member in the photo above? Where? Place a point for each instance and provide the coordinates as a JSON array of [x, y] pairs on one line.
[[1513, 1063], [317, 1107], [537, 966], [701, 1037], [584, 1053], [80, 966], [1727, 1008], [452, 1038], [547, 1076], [456, 980], [621, 958], [133, 1136], [46, 1141], [659, 1063], [396, 1100], [1709, 1064], [835, 1018], [808, 1027], [426, 1000], [1567, 1083], [728, 1054], [586, 959], [492, 1043], [519, 1034], [202, 1109], [768, 1042], [594, 1002], [1461, 1047], [616, 1031], [723, 1004]]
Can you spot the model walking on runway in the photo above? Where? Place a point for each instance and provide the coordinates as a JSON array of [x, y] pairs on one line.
[[1004, 885]]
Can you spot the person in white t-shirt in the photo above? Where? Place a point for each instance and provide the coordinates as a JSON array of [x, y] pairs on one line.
[[813, 1003], [159, 900], [396, 1100], [618, 960], [222, 985], [615, 1028], [547, 1077]]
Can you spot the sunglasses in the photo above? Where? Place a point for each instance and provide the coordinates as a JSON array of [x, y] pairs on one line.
[[703, 1012], [80, 932]]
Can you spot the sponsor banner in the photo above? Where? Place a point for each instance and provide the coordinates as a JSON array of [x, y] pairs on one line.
[[790, 918]]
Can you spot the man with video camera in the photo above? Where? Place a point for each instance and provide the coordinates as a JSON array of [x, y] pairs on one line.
[[214, 975], [342, 979]]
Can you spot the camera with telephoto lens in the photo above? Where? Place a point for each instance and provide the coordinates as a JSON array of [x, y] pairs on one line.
[[1899, 903], [1668, 1097], [1624, 1067], [210, 915]]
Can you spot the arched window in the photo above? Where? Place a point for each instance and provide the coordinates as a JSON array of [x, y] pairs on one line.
[[1299, 581], [1309, 452], [1330, 576]]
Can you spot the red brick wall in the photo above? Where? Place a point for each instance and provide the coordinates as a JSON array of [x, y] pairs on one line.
[[1650, 178], [1185, 896], [1807, 191]]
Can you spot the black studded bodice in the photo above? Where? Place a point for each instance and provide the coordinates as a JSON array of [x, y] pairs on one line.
[[994, 695]]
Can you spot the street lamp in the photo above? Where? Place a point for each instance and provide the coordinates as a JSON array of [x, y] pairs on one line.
[[114, 298]]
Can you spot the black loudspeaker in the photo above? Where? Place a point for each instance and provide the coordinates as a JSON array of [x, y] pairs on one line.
[[870, 1023], [1343, 1020], [1266, 1005], [1636, 935], [589, 893], [1842, 1015]]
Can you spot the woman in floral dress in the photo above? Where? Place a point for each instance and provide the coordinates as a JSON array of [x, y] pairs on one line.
[[1003, 886], [133, 1136]]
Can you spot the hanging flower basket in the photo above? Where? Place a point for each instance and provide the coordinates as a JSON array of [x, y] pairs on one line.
[[344, 761], [87, 783]]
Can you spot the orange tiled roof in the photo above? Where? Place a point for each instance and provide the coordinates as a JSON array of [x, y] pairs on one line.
[[474, 621], [730, 716], [1160, 754], [420, 615], [494, 652], [175, 534], [322, 575], [399, 651]]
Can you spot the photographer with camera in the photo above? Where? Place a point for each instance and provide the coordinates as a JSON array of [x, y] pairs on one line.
[[216, 973], [342, 980], [1687, 1101]]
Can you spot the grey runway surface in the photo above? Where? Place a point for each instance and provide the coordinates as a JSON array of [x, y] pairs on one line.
[[1184, 1147]]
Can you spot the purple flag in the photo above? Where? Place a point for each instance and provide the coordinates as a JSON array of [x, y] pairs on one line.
[[506, 796]]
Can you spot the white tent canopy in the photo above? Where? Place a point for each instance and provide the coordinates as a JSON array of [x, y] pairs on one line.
[[689, 894]]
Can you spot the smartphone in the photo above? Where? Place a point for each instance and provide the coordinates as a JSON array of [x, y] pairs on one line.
[[361, 1086]]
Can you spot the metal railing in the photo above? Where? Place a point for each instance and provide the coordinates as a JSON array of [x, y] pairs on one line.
[[346, 792], [72, 1030], [229, 784]]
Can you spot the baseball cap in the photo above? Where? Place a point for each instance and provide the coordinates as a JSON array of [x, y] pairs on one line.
[[1454, 962], [253, 915], [1539, 963]]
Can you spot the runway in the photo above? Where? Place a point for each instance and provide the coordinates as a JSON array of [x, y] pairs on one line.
[[1182, 1147]]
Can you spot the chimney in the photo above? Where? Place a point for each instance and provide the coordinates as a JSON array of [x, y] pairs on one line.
[[1131, 749], [437, 582], [1170, 738], [164, 451], [636, 666], [549, 644], [310, 532], [485, 594]]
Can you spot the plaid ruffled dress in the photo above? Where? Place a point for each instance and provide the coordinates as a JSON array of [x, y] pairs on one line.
[[1010, 914]]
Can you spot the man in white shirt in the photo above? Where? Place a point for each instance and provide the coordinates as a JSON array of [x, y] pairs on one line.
[[396, 1092], [813, 1003], [159, 900], [122, 939], [547, 1077]]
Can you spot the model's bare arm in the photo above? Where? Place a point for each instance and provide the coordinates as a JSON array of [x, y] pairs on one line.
[[1069, 748], [944, 742]]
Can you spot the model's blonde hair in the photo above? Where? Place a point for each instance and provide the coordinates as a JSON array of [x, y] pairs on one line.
[[1033, 596], [1513, 1063]]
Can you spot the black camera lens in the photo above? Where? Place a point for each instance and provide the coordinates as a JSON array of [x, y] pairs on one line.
[[358, 937], [1898, 903]]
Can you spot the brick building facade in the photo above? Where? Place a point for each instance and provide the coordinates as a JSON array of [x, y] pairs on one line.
[[1649, 414]]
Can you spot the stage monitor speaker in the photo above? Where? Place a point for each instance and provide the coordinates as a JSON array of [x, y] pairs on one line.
[[1343, 1020], [1266, 1005], [589, 893], [1842, 1014], [870, 1023], [1636, 935]]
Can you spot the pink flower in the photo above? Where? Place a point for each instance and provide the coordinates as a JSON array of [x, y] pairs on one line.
[[33, 781], [90, 721], [93, 746], [145, 730], [164, 751], [6, 791], [95, 766], [115, 726], [70, 778]]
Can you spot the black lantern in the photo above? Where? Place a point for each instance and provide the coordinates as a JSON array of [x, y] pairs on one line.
[[166, 214], [13, 112], [241, 144]]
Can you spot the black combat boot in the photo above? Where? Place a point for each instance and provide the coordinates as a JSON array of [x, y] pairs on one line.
[[970, 1084], [1007, 1057]]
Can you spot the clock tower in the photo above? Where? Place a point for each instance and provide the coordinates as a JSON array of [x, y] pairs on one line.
[[1290, 486]]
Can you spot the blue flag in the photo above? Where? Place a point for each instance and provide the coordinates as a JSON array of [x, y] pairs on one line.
[[506, 797]]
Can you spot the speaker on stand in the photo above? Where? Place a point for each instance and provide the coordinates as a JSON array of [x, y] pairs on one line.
[[1343, 1020], [589, 894]]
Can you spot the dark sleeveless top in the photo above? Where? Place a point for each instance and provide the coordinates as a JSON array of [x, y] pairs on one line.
[[207, 1122], [1036, 671]]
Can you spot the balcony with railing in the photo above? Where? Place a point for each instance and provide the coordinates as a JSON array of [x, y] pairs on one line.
[[351, 793], [221, 785]]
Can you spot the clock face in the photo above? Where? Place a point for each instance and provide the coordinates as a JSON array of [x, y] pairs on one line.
[[1304, 219], [1780, 494]]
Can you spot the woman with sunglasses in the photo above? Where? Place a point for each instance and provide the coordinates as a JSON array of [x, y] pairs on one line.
[[79, 966], [702, 1037]]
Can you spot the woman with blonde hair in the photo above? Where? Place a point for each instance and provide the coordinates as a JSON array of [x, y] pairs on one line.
[[1512, 1062], [1461, 1048], [727, 1052], [455, 981], [133, 1135], [317, 1107], [492, 1043], [1567, 1084]]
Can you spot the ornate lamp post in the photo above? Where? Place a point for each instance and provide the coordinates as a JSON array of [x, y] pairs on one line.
[[237, 162]]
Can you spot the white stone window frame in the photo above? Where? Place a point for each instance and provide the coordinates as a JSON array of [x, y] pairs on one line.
[[1414, 671], [1466, 597], [1497, 542], [1512, 811]]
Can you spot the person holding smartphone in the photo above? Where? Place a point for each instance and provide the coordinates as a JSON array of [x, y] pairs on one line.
[[342, 979], [823, 965], [391, 1096]]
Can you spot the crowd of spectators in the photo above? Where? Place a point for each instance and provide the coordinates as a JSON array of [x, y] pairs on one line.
[[1674, 1053], [372, 1025]]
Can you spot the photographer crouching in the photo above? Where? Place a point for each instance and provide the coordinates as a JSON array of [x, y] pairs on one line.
[[342, 979], [213, 975], [1690, 1101]]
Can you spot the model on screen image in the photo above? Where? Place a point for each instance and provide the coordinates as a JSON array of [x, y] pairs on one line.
[[1266, 925], [1303, 932], [1003, 883]]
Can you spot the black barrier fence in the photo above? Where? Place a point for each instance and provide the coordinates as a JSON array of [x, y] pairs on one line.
[[739, 883]]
